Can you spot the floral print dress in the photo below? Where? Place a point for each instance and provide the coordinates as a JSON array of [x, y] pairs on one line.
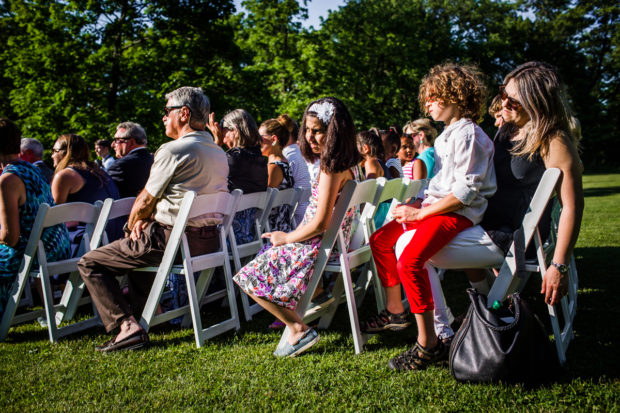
[[281, 274]]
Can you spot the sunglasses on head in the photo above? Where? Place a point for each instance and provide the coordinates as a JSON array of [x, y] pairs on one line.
[[513, 103]]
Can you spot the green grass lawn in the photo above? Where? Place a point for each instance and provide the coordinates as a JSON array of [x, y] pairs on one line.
[[236, 371]]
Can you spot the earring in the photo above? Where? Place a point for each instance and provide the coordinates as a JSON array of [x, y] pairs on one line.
[[274, 143]]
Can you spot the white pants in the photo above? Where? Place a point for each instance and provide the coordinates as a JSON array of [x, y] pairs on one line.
[[471, 248]]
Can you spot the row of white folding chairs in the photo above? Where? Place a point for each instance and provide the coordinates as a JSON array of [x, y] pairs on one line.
[[96, 218]]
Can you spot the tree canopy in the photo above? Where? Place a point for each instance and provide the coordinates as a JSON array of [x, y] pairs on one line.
[[84, 66]]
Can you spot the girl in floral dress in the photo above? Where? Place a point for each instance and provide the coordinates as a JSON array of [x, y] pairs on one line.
[[277, 278]]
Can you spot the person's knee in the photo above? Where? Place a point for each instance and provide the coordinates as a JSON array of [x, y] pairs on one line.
[[410, 267], [379, 242]]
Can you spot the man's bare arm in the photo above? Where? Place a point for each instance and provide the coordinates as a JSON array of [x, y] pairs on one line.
[[142, 208]]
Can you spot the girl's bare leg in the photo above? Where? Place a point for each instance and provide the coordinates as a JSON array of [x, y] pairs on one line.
[[292, 320]]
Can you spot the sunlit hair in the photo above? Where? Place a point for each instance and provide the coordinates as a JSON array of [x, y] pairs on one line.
[[77, 155], [422, 125], [195, 100], [340, 150], [458, 84], [496, 106], [543, 97], [291, 126], [33, 145], [374, 144], [278, 128], [241, 121], [133, 130]]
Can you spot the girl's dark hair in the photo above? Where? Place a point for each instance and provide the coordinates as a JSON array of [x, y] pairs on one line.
[[77, 155], [278, 128], [340, 151], [391, 136], [374, 143], [10, 137]]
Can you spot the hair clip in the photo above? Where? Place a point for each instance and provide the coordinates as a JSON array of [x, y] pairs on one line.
[[324, 111]]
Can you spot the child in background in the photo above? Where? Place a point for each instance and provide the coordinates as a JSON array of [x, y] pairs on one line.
[[371, 148], [406, 154], [495, 110], [423, 135], [391, 146]]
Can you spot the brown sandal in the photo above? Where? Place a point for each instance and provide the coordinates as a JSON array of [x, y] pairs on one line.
[[419, 357], [385, 321]]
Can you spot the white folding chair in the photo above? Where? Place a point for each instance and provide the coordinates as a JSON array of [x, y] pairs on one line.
[[352, 195], [241, 253], [304, 197], [472, 248], [71, 298], [279, 198], [111, 209], [193, 206]]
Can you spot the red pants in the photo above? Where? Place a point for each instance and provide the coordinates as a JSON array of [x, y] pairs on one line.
[[431, 235]]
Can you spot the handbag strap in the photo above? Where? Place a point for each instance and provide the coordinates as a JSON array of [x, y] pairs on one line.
[[473, 296]]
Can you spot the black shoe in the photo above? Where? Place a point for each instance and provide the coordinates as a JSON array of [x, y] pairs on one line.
[[135, 341], [385, 321]]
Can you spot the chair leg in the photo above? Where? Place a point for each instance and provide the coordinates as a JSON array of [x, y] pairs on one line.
[[194, 306], [12, 303], [74, 288], [48, 304], [326, 318], [358, 341]]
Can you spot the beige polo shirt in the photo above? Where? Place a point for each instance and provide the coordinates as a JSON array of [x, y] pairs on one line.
[[191, 163]]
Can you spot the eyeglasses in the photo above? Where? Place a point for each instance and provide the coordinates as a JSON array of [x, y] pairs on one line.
[[120, 140], [410, 135], [54, 150], [167, 109], [513, 104]]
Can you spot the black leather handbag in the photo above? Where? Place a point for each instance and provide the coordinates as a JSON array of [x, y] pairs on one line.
[[508, 344]]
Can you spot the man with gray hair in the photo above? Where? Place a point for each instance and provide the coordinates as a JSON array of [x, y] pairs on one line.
[[190, 162], [131, 169], [31, 150]]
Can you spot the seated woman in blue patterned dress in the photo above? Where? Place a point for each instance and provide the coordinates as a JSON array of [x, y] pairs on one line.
[[78, 179], [22, 189], [278, 277], [274, 136]]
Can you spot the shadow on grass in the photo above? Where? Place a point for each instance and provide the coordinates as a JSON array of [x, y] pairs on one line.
[[604, 191]]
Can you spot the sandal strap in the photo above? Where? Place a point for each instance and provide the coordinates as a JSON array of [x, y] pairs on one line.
[[411, 359], [384, 318]]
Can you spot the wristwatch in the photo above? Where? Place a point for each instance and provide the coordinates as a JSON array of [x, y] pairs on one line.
[[562, 268]]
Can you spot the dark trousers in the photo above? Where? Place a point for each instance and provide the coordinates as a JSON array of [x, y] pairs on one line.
[[99, 269]]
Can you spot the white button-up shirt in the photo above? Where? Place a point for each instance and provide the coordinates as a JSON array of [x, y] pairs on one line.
[[463, 168]]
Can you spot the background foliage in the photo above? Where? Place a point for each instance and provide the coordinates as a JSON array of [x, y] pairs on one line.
[[84, 65]]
